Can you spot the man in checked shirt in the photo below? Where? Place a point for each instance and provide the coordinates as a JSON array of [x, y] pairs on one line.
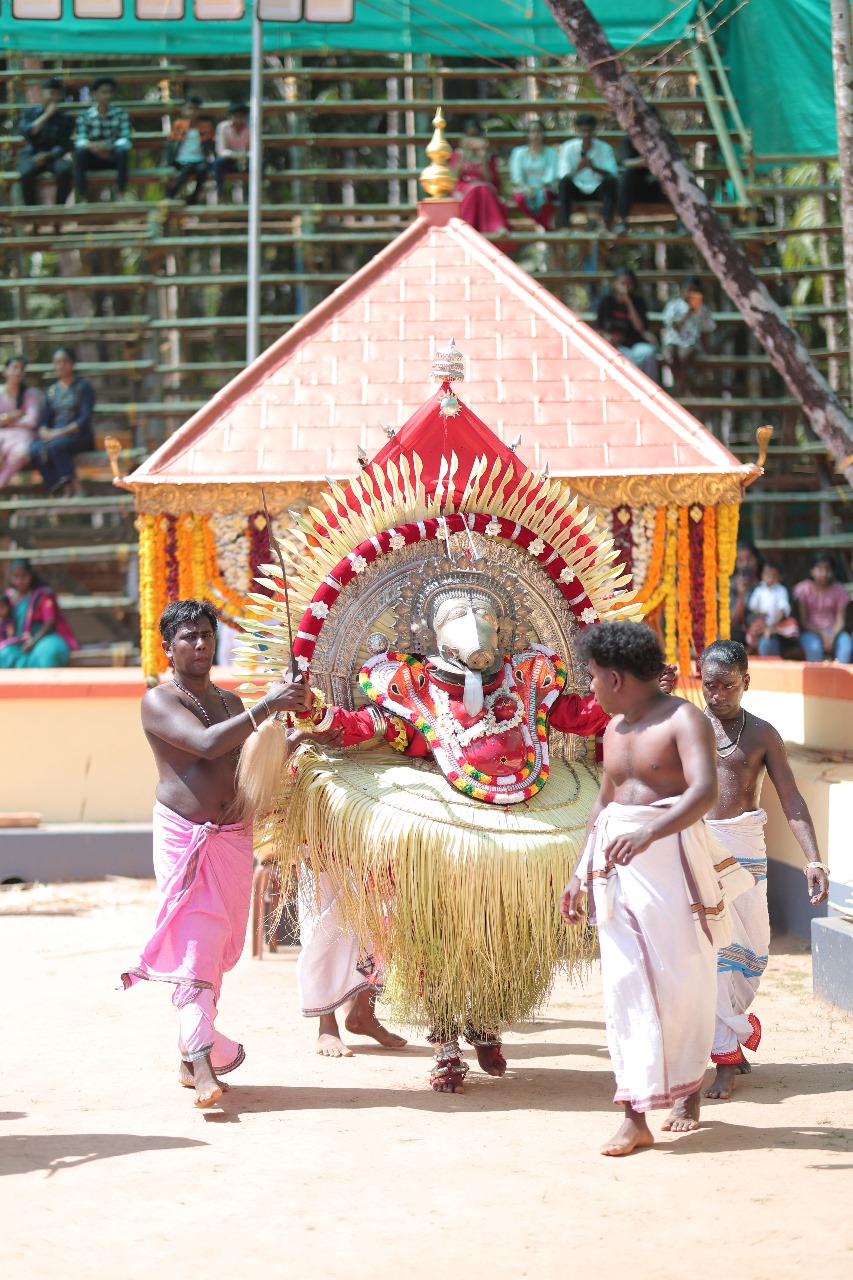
[[103, 138]]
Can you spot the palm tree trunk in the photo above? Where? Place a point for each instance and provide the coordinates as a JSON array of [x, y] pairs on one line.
[[661, 152]]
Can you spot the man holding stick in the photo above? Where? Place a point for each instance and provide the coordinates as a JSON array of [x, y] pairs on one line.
[[202, 857]]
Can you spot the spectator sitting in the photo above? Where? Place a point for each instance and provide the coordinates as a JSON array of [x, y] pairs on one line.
[[42, 636], [822, 605], [190, 150], [686, 325], [103, 138], [587, 170], [48, 134], [20, 413], [748, 566], [231, 145], [533, 174], [622, 321], [7, 618], [636, 184], [770, 605], [478, 181], [66, 425]]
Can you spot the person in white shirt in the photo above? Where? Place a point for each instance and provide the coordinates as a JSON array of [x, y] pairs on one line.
[[232, 145], [771, 605], [587, 170], [684, 334]]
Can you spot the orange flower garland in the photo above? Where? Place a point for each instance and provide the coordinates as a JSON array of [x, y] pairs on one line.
[[186, 583], [685, 618], [709, 563]]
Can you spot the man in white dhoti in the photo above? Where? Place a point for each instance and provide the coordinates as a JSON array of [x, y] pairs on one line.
[[332, 972], [649, 867], [747, 748]]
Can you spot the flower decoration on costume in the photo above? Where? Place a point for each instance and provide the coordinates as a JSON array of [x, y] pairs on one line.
[[493, 528], [319, 609], [302, 662], [397, 541], [536, 547], [568, 575], [359, 564], [589, 615]]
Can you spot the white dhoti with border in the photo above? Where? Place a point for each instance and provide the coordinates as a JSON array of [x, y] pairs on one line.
[[332, 969], [742, 962], [661, 920]]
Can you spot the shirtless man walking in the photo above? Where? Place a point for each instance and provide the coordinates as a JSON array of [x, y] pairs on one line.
[[747, 748], [202, 862], [649, 867]]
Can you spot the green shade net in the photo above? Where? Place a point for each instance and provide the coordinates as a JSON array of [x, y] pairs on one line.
[[778, 51]]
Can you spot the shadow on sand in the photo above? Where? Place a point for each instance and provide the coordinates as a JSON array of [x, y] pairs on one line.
[[29, 1153]]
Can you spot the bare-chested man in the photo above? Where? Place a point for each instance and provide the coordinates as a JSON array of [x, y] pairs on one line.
[[655, 896], [747, 748], [202, 862]]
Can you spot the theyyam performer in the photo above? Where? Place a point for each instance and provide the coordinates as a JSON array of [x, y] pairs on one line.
[[747, 748], [439, 601], [203, 853], [656, 883]]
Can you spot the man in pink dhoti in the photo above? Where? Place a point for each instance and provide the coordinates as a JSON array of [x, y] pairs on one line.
[[202, 861], [652, 873], [747, 748]]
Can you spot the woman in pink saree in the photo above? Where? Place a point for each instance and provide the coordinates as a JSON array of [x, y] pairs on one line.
[[478, 182], [20, 414]]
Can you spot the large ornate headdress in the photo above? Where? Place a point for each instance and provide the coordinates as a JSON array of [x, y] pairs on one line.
[[364, 574]]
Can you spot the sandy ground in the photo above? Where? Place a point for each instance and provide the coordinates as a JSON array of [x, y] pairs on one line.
[[353, 1169]]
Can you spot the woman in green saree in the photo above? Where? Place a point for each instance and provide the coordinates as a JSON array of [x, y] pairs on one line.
[[42, 636]]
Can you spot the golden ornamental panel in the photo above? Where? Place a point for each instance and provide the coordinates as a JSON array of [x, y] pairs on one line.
[[659, 490], [225, 499]]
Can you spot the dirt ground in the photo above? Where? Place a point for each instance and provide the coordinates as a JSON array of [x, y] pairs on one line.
[[353, 1168]]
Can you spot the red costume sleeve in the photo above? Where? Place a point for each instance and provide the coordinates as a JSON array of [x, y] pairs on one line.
[[574, 713], [359, 726]]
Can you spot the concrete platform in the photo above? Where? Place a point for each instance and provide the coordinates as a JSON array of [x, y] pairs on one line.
[[75, 851], [832, 961]]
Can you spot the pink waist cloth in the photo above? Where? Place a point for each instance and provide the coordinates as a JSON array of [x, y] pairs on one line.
[[204, 874]]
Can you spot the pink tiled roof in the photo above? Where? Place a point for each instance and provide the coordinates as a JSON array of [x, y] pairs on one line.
[[301, 410]]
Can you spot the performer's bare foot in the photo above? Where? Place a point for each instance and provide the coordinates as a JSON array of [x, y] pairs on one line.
[[723, 1084], [448, 1075], [329, 1043], [684, 1116], [362, 1021], [491, 1059], [632, 1134], [187, 1080], [207, 1088]]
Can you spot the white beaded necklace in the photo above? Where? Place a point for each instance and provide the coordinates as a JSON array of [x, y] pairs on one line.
[[727, 750]]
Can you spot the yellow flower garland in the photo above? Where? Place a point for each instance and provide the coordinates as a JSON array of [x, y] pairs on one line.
[[685, 619], [148, 616], [670, 570], [727, 523], [709, 572]]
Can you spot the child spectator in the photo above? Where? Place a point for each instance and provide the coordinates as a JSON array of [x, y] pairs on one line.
[[686, 325], [231, 145], [822, 604], [190, 149], [103, 138], [770, 605]]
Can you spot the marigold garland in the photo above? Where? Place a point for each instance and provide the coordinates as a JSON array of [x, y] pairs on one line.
[[727, 523], [186, 580], [670, 573], [148, 616], [170, 551], [684, 622], [709, 573]]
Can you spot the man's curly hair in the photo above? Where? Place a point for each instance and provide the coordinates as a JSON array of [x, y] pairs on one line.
[[631, 647]]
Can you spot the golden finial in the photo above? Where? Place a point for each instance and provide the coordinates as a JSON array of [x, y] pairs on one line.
[[437, 179], [113, 448], [762, 438]]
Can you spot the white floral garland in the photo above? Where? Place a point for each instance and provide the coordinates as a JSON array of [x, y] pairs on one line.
[[642, 538], [232, 551], [449, 726]]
